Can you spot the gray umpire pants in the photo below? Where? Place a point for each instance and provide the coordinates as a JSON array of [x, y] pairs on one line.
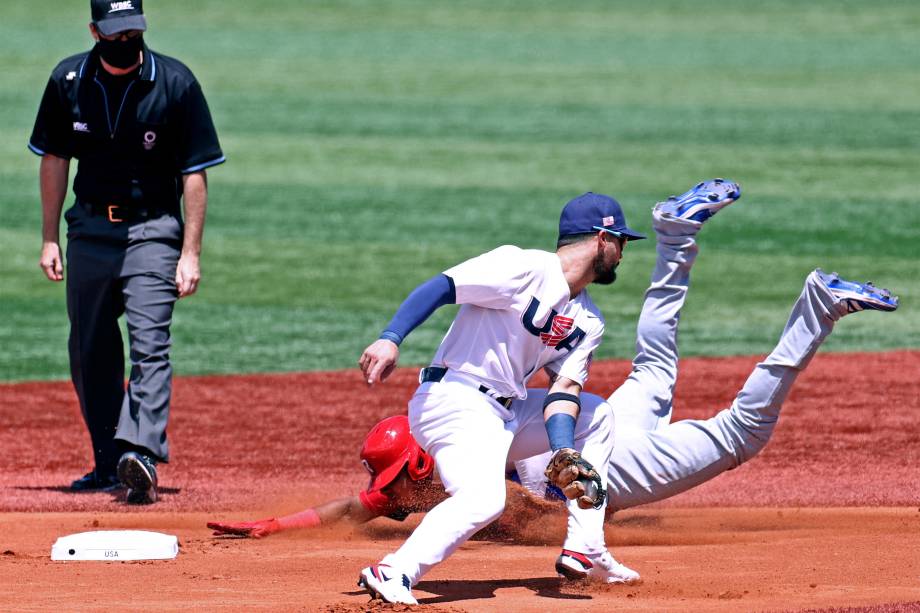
[[122, 268]]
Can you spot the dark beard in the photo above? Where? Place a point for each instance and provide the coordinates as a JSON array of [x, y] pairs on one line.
[[604, 276]]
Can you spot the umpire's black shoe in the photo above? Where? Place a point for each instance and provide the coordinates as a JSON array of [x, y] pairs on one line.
[[95, 481], [138, 473]]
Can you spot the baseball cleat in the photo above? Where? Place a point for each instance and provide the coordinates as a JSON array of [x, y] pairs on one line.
[[138, 473], [95, 481], [573, 566], [383, 583], [702, 201], [858, 296]]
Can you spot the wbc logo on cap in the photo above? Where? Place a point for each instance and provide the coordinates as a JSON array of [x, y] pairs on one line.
[[127, 5], [607, 221]]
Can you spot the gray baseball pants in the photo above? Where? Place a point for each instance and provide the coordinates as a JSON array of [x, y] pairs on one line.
[[653, 458]]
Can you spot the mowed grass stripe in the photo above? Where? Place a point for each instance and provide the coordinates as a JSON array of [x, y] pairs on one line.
[[372, 145]]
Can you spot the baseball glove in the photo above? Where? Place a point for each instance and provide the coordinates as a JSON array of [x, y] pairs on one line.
[[577, 479]]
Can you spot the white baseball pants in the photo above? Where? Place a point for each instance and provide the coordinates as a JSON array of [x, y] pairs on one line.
[[471, 437]]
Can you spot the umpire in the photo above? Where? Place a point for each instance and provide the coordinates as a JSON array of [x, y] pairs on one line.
[[139, 125]]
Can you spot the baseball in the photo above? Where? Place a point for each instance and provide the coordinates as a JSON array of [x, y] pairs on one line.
[[590, 488]]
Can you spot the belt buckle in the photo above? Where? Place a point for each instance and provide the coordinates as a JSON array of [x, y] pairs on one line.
[[111, 209]]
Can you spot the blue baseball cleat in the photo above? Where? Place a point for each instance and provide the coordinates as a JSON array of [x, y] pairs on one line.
[[858, 296], [703, 201]]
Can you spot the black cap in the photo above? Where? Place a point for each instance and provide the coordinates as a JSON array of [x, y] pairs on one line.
[[114, 16]]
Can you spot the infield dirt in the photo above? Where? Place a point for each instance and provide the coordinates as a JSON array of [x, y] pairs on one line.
[[827, 516]]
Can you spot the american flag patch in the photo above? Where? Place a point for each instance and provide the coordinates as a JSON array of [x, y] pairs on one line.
[[607, 221], [560, 329]]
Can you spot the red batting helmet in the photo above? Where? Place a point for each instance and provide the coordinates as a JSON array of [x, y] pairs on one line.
[[389, 447]]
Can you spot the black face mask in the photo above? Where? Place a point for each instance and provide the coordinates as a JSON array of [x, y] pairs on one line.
[[120, 54]]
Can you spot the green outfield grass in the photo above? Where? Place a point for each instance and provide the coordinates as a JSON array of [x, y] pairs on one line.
[[372, 144]]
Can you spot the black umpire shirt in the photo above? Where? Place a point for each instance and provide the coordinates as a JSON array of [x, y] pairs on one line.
[[134, 137]]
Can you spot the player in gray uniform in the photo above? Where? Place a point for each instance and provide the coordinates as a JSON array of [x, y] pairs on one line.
[[654, 459]]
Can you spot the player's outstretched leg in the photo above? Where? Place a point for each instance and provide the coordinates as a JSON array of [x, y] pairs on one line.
[[650, 466], [644, 399]]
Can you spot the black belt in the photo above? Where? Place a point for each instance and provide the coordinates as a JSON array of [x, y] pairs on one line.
[[117, 213], [433, 374]]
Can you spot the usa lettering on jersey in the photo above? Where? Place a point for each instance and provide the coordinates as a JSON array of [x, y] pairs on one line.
[[556, 332]]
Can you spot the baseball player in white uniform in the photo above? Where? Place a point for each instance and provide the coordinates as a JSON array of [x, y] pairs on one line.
[[651, 458], [654, 459], [522, 311]]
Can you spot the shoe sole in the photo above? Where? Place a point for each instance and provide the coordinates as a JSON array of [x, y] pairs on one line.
[[96, 490], [712, 206], [90, 490], [858, 302], [573, 576], [855, 300], [141, 496], [141, 484], [712, 188], [636, 581], [569, 573], [362, 582]]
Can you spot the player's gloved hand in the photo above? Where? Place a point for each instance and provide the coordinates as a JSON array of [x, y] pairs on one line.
[[577, 479], [253, 529]]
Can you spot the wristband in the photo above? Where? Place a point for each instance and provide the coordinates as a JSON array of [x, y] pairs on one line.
[[551, 398], [304, 519], [560, 429], [389, 335]]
